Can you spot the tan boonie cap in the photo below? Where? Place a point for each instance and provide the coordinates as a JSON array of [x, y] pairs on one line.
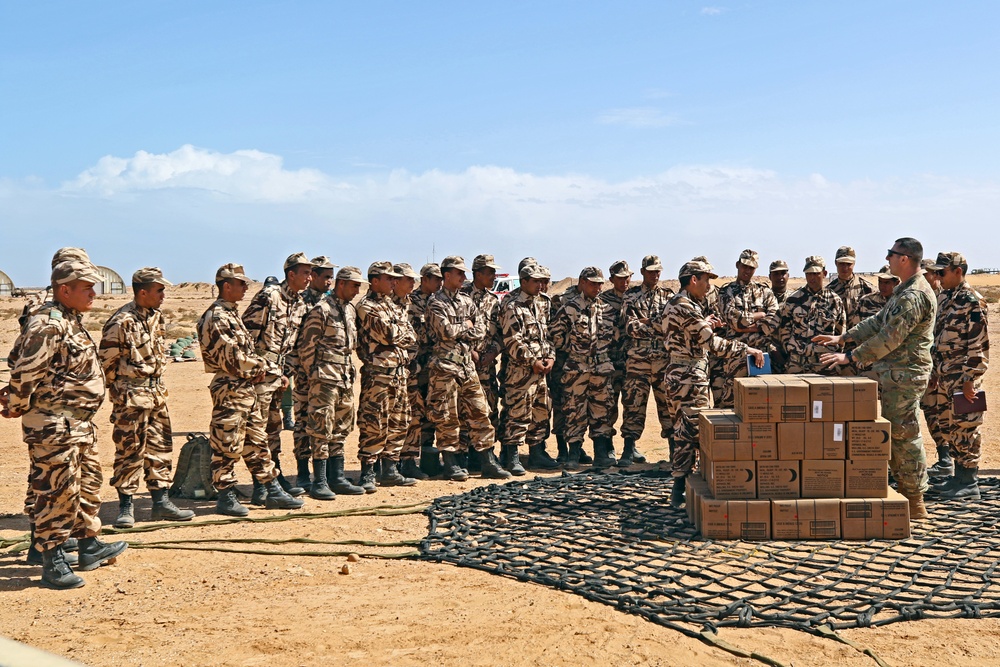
[[75, 269], [593, 274], [845, 253], [524, 262], [885, 274], [351, 273], [295, 260], [651, 263], [231, 271], [484, 262], [814, 264], [696, 266], [927, 264], [749, 258], [431, 269], [778, 265], [405, 270], [532, 271], [67, 254], [454, 262], [150, 274], [948, 259], [322, 262], [383, 269], [546, 273], [620, 269]]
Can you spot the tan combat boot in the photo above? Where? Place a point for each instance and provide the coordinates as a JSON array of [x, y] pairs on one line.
[[917, 509]]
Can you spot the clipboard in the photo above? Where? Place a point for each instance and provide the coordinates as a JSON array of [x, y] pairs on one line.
[[963, 406], [752, 369]]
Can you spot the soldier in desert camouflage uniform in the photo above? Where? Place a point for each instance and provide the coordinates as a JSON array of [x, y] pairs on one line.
[[961, 355], [420, 433], [327, 340], [931, 275], [56, 387], [689, 339], [402, 296], [384, 338], [870, 304], [849, 286], [778, 275], [133, 353], [554, 378], [945, 466], [619, 275]]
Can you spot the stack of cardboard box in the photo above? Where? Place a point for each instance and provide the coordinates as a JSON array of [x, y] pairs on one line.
[[801, 457]]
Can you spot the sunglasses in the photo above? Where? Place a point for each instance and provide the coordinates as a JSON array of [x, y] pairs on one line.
[[890, 252]]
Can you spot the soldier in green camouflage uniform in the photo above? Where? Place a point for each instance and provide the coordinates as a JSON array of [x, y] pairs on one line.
[[384, 338], [56, 387], [327, 340], [133, 353], [742, 305], [961, 355], [897, 343], [420, 433], [455, 397], [619, 275], [690, 337]]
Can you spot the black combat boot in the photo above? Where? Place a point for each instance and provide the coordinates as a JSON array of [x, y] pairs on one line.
[[604, 453], [562, 450], [338, 481], [320, 489], [277, 499], [430, 460], [259, 494], [628, 453], [452, 470], [965, 486], [288, 421], [228, 504], [489, 467], [164, 510], [390, 475], [574, 456], [34, 556], [285, 485], [126, 511], [637, 456], [513, 462], [94, 553], [945, 466], [585, 458], [302, 474], [367, 479], [471, 461], [677, 492], [56, 572], [539, 459], [408, 468]]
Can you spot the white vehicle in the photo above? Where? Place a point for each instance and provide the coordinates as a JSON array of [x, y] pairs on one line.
[[504, 283]]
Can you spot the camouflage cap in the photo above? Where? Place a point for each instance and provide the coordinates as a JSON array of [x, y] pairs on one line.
[[885, 274], [405, 270], [620, 269], [75, 269], [296, 259], [484, 262], [651, 263], [322, 262], [778, 265], [749, 258], [532, 271], [845, 253], [524, 262], [351, 273], [948, 259], [231, 271], [927, 264], [150, 274], [454, 262], [814, 264], [697, 266], [593, 274], [67, 254], [546, 273], [383, 269], [271, 281], [700, 258], [430, 269]]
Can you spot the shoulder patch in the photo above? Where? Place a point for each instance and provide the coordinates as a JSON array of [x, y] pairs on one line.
[[55, 314]]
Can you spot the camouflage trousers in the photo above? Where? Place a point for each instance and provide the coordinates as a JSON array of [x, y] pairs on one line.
[[960, 432], [491, 392], [717, 378], [557, 396], [617, 388], [420, 431], [525, 413], [383, 414], [687, 399], [302, 447], [932, 409], [234, 403], [587, 401], [454, 402], [143, 448], [732, 369], [641, 375], [901, 394], [330, 419], [65, 477], [268, 416]]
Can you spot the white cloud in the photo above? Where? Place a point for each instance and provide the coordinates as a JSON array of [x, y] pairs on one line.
[[712, 11], [636, 117]]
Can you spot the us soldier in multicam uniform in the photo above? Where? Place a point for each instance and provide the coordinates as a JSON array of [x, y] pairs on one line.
[[584, 329], [133, 352], [870, 304], [327, 340], [455, 397], [743, 304], [808, 312], [690, 338], [228, 351], [645, 358], [619, 274], [897, 343], [528, 357], [402, 296], [56, 387], [961, 355], [420, 433], [384, 338]]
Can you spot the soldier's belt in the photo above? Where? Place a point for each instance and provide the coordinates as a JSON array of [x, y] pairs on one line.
[[65, 411], [385, 370], [336, 357], [150, 382], [455, 358], [644, 343], [274, 357]]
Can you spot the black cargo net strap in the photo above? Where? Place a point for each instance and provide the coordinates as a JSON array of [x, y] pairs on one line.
[[614, 538]]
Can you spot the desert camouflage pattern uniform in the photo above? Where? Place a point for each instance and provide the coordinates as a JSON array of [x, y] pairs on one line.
[[850, 293], [57, 383], [384, 338], [526, 408], [781, 296], [327, 340], [803, 315], [300, 384], [584, 330], [227, 350], [420, 432], [897, 342], [133, 354], [961, 354], [488, 350], [737, 304], [870, 304], [689, 342], [554, 378], [618, 353], [645, 360]]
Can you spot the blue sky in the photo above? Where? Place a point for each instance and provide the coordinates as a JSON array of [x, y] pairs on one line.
[[188, 134]]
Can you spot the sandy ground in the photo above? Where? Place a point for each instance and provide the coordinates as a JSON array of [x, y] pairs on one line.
[[168, 607]]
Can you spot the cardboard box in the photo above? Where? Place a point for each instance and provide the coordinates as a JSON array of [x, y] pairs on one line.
[[869, 439], [841, 398], [813, 519], [875, 518], [828, 441], [778, 479], [724, 437], [822, 479], [772, 398], [793, 436], [695, 488], [820, 398], [866, 406], [843, 411], [731, 480], [735, 519], [866, 478]]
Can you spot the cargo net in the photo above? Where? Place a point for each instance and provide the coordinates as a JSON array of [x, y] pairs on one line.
[[615, 539]]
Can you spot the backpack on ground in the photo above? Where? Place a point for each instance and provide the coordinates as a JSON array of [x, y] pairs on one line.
[[193, 475]]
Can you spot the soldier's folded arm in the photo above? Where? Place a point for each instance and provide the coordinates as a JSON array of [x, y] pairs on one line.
[[36, 354]]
